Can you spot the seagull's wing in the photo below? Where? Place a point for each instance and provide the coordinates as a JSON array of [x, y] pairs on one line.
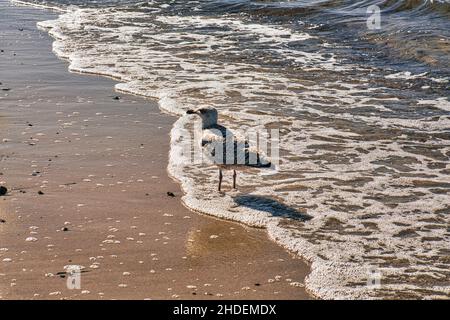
[[223, 148], [211, 144]]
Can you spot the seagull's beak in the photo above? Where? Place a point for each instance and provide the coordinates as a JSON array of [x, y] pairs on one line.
[[190, 112]]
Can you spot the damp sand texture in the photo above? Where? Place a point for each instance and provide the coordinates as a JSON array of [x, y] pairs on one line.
[[100, 166]]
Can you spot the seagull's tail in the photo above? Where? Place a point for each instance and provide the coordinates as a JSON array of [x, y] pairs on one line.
[[261, 162], [263, 165]]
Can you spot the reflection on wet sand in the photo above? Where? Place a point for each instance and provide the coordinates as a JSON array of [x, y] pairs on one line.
[[221, 240]]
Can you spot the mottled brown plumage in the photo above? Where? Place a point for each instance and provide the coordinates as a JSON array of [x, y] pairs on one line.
[[223, 148]]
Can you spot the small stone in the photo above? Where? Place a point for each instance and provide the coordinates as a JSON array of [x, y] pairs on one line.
[[40, 192], [3, 190], [170, 194]]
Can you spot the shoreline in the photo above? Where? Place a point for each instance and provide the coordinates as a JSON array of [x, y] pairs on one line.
[[358, 176], [82, 205]]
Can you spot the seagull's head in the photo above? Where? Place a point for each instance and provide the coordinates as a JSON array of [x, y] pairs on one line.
[[208, 115]]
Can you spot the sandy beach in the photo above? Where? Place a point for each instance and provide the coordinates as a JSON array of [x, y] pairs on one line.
[[85, 169]]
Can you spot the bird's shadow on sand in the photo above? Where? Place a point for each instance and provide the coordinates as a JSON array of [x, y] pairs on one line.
[[271, 206]]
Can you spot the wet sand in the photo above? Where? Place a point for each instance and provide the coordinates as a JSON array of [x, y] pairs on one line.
[[88, 186]]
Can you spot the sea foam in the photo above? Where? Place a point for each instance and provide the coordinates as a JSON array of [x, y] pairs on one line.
[[363, 181]]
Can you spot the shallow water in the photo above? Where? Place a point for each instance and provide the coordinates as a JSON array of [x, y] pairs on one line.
[[364, 121]]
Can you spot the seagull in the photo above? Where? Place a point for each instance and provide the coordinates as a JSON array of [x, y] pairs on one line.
[[223, 148]]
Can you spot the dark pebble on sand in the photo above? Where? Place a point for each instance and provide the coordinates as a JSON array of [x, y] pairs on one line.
[[6, 89], [65, 229], [116, 98], [257, 284], [40, 192], [170, 194], [3, 190], [2, 221]]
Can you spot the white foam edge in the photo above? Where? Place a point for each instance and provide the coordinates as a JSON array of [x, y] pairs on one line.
[[37, 5]]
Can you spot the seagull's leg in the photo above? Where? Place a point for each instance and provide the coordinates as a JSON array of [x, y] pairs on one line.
[[220, 178], [234, 179]]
